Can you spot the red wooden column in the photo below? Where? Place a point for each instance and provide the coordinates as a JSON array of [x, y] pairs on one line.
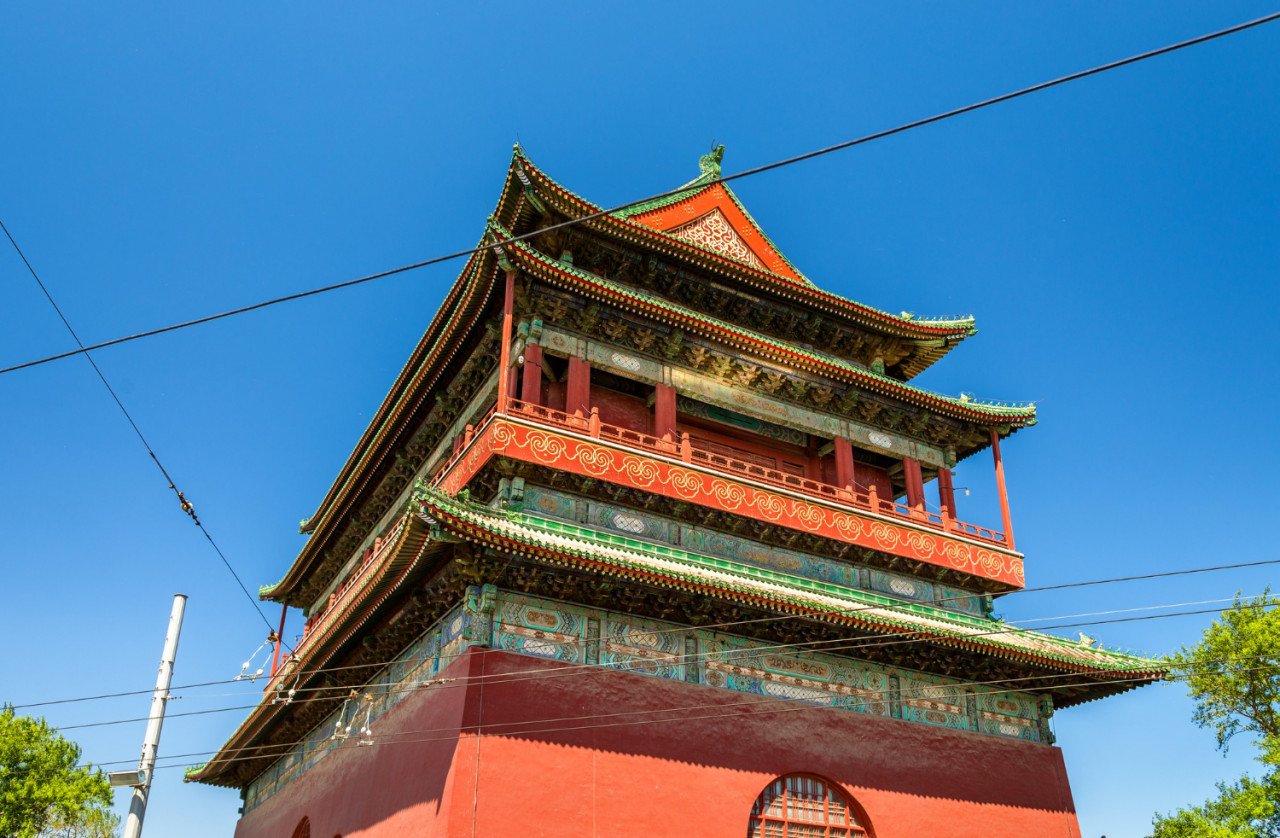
[[844, 462], [504, 349], [275, 661], [1004, 492], [577, 397], [915, 483], [531, 390], [813, 463], [664, 412], [947, 491]]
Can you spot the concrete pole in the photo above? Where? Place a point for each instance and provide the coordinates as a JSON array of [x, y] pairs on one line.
[[138, 806]]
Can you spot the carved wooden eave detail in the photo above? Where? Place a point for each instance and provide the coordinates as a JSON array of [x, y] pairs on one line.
[[486, 485], [702, 293], [926, 339], [667, 345]]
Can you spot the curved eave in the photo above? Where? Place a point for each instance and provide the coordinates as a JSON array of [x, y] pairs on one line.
[[461, 312], [473, 526], [598, 288], [806, 293], [407, 554], [410, 552]]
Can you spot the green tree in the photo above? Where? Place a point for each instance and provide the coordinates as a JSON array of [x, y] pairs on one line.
[[95, 822], [1234, 678], [41, 782]]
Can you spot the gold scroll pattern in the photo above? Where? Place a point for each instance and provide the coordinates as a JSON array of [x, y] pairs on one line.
[[592, 459]]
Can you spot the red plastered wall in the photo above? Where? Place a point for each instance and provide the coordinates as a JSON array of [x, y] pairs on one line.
[[697, 772]]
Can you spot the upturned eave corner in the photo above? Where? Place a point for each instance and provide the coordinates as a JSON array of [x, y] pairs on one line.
[[434, 516], [627, 224], [460, 316], [1006, 414], [480, 272]]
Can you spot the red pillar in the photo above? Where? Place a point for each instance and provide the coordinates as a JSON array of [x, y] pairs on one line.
[[844, 462], [664, 412], [915, 483], [504, 350], [1004, 493], [275, 661], [813, 463], [577, 399], [532, 388], [947, 491]]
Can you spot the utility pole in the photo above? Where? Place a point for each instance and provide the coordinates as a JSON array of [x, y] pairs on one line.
[[138, 806]]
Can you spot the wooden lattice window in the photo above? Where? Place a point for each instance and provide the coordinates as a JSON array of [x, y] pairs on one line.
[[800, 806], [303, 829]]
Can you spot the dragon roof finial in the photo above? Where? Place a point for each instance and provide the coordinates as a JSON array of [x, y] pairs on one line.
[[710, 163]]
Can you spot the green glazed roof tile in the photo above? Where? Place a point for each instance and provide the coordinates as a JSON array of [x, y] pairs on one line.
[[963, 323], [634, 554], [1024, 411]]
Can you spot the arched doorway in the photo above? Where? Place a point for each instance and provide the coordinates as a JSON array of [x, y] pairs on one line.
[[804, 806]]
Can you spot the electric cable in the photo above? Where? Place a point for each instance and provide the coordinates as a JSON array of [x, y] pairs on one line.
[[706, 705], [1005, 97], [904, 603], [541, 731], [571, 669], [563, 670], [185, 504], [238, 754]]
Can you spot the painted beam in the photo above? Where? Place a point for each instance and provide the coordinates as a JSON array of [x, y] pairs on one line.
[[695, 385], [604, 461]]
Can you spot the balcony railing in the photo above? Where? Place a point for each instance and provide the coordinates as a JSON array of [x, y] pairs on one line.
[[338, 600], [687, 451]]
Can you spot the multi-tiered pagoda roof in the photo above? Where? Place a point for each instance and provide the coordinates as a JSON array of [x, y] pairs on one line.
[[680, 306]]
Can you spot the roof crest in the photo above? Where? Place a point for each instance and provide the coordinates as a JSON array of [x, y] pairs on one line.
[[693, 188]]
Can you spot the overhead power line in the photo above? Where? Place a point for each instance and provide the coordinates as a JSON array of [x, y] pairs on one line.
[[840, 644], [524, 726], [1089, 582], [799, 158], [185, 504], [483, 728], [564, 669], [768, 706]]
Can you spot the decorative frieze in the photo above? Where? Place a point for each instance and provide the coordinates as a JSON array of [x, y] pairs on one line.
[[771, 317], [768, 430], [450, 403], [631, 522], [776, 399], [559, 631], [570, 452]]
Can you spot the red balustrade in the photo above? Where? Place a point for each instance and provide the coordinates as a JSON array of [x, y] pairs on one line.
[[688, 452]]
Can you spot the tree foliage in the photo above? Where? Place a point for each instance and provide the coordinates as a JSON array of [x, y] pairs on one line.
[[41, 783], [1233, 674], [92, 823], [1246, 809]]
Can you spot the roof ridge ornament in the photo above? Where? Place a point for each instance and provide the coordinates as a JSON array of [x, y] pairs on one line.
[[710, 163]]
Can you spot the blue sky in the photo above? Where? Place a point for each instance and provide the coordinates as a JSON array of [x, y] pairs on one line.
[[1116, 239]]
